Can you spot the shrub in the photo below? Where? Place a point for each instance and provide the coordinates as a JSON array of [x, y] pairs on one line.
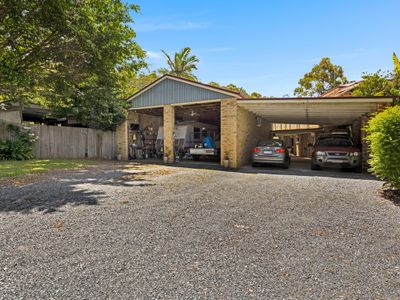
[[19, 147], [383, 137]]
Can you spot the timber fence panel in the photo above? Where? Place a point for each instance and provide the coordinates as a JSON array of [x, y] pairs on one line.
[[69, 142]]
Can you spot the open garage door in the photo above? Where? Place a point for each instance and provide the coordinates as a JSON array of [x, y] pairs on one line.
[[323, 111]]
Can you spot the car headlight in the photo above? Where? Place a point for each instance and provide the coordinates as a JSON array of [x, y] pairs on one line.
[[320, 153], [354, 154]]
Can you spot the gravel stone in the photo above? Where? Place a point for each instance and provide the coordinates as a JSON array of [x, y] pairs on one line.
[[131, 231]]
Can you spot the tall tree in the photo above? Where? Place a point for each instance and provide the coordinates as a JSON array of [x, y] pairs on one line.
[[381, 83], [182, 64], [376, 84], [72, 55], [238, 89], [256, 95], [320, 79], [396, 63], [139, 81], [395, 91]]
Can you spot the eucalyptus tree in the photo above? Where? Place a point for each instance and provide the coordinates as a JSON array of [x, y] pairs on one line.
[[381, 83], [321, 78], [72, 55]]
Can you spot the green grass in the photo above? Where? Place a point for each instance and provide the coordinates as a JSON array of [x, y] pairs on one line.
[[12, 168]]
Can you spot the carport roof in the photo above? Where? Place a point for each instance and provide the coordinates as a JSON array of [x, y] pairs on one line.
[[323, 110]]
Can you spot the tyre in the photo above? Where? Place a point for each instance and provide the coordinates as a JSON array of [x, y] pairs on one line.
[[286, 165], [254, 165], [196, 157], [314, 166], [358, 169]]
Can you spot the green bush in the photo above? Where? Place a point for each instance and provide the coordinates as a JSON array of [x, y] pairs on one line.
[[19, 147], [383, 137]]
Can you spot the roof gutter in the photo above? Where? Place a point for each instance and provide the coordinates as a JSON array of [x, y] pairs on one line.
[[316, 100]]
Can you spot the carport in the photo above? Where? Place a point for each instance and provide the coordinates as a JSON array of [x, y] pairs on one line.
[[324, 112], [241, 121]]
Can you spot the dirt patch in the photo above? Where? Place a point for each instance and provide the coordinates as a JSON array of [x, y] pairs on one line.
[[23, 179], [147, 175], [58, 224], [138, 166]]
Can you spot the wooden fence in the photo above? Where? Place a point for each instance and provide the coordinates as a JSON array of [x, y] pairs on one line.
[[70, 142]]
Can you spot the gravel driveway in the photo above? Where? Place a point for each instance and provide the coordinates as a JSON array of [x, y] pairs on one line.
[[130, 231]]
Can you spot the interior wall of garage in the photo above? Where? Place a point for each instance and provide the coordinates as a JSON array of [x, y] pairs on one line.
[[145, 120], [249, 133], [124, 137]]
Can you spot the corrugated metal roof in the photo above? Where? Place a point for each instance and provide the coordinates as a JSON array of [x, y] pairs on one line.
[[342, 90], [323, 111], [171, 89]]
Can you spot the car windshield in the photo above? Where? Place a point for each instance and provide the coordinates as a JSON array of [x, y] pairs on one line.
[[271, 143], [334, 141]]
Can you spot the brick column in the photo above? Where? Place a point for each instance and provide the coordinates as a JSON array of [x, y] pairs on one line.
[[364, 145], [356, 131], [122, 140], [229, 132], [169, 126], [297, 145]]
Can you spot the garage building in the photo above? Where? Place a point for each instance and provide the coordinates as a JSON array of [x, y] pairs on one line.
[[239, 122]]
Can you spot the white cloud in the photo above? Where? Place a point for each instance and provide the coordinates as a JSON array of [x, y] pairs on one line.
[[154, 55]]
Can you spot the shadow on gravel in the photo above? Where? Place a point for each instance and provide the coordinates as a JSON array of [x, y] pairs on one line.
[[297, 168], [37, 197], [78, 188]]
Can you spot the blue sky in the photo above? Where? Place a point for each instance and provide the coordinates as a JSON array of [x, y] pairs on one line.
[[267, 46]]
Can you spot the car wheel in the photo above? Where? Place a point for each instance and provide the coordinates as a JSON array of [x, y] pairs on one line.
[[286, 165], [314, 166], [196, 157], [358, 169], [254, 165]]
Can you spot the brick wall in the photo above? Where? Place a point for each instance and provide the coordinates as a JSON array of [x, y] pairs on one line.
[[356, 131], [364, 145], [122, 134], [239, 133], [122, 140], [249, 134]]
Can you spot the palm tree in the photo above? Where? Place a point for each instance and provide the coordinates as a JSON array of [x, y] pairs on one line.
[[182, 65]]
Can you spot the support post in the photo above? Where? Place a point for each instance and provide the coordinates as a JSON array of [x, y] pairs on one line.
[[229, 132], [364, 145], [169, 126], [122, 140]]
